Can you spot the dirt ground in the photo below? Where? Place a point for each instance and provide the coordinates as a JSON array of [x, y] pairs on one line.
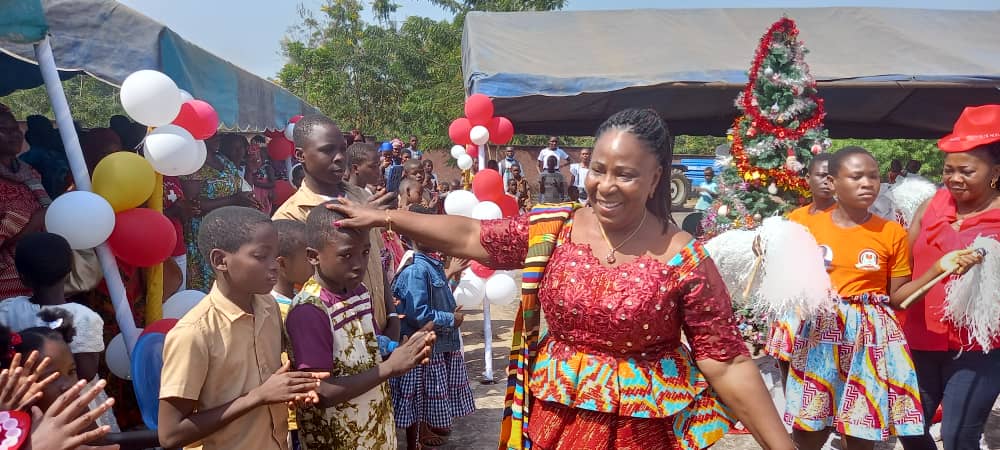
[[481, 430]]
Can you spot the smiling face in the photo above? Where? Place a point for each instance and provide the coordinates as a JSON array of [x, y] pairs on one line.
[[324, 154], [968, 175], [254, 266], [623, 175], [857, 181], [341, 263]]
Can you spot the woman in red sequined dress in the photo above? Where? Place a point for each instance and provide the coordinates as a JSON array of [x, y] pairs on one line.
[[621, 285]]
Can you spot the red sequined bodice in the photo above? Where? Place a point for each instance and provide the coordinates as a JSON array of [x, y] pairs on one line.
[[636, 309]]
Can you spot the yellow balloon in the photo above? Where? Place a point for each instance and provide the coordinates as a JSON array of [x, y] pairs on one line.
[[124, 179]]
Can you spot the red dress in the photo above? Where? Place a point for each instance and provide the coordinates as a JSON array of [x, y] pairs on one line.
[[923, 322], [612, 371]]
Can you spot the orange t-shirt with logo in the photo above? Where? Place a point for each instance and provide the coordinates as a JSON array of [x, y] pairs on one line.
[[862, 259]]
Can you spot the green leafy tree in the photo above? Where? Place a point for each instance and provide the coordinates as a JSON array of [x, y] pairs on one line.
[[385, 78], [91, 101]]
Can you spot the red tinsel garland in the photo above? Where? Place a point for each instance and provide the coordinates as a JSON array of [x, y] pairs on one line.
[[782, 177]]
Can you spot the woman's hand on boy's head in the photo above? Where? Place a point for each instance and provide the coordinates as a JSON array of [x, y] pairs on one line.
[[414, 350], [356, 215], [64, 425], [19, 384]]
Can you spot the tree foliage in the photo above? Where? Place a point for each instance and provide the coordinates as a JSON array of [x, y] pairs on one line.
[[92, 102], [385, 78]]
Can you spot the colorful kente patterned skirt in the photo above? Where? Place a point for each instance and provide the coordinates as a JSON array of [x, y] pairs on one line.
[[435, 393], [598, 401], [782, 336], [853, 371]]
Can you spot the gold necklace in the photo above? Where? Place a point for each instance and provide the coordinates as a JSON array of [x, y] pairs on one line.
[[611, 254]]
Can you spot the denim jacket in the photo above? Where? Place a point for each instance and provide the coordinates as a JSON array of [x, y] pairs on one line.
[[424, 296]]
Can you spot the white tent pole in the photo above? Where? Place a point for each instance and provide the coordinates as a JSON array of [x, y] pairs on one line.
[[487, 323], [81, 178]]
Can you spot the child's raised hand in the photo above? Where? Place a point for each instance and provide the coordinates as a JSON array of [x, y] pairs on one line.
[[414, 350], [287, 386], [459, 317], [64, 425], [19, 385]]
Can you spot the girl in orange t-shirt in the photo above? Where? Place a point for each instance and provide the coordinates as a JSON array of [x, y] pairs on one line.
[[853, 370]]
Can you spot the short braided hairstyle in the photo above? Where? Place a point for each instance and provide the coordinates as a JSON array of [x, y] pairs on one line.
[[647, 125]]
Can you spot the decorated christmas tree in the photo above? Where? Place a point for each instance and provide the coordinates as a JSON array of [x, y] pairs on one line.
[[772, 142]]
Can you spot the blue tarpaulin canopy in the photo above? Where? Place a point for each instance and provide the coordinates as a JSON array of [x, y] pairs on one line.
[[883, 72], [109, 41]]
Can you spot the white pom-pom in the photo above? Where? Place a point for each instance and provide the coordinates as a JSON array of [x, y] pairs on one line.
[[795, 280], [733, 254], [973, 300], [723, 210], [908, 194]]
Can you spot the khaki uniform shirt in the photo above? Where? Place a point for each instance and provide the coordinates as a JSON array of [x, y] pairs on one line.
[[217, 353]]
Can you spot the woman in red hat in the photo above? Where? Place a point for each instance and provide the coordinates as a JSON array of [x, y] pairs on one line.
[[954, 372]]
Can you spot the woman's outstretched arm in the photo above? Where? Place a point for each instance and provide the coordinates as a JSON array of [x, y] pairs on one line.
[[451, 235]]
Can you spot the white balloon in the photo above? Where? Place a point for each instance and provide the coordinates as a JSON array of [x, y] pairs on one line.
[[151, 98], [84, 218], [486, 211], [198, 160], [185, 96], [116, 355], [470, 290], [479, 135], [180, 303], [501, 289], [457, 151], [460, 203], [172, 151], [290, 132], [464, 162]]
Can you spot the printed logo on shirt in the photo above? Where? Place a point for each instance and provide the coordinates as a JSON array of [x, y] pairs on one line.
[[868, 261], [827, 256]]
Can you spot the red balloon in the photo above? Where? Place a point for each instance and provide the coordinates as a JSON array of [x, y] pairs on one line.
[[481, 271], [472, 150], [458, 131], [508, 205], [199, 118], [142, 237], [160, 326], [280, 148], [479, 109], [282, 191], [488, 186], [295, 119], [501, 130]]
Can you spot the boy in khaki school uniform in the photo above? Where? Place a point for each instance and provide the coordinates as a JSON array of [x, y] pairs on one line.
[[223, 385]]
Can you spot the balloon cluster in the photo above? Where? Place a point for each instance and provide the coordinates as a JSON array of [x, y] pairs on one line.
[[123, 181], [479, 282], [477, 128], [282, 145], [147, 357]]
